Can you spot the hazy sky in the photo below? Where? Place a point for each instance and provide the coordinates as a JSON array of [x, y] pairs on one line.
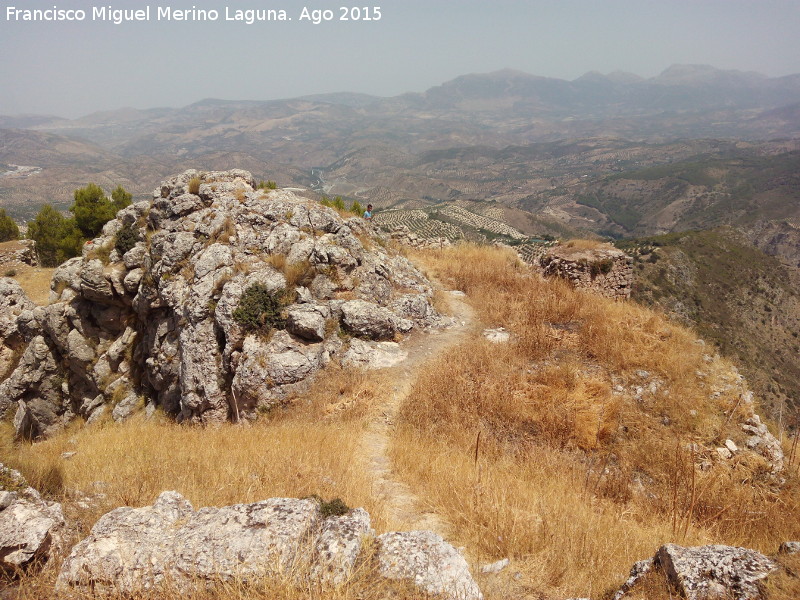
[[74, 68]]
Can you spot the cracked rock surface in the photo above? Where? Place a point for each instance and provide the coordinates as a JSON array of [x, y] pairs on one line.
[[152, 325]]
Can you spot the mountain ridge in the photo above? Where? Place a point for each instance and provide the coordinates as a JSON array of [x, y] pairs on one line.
[[675, 75]]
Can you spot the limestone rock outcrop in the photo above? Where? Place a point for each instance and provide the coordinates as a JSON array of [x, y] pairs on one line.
[[13, 302], [170, 545], [151, 322], [17, 253], [706, 572], [426, 560], [603, 270], [31, 529]]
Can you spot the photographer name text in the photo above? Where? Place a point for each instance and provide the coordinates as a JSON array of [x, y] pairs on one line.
[[251, 16]]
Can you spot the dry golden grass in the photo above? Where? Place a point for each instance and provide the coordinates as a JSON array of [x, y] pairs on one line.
[[785, 585], [296, 273], [35, 281], [211, 466], [584, 244], [572, 481]]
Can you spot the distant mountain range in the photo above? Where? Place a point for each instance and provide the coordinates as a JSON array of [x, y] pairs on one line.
[[505, 136]]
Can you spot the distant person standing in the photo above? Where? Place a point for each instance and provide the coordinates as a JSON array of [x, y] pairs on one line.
[[368, 212]]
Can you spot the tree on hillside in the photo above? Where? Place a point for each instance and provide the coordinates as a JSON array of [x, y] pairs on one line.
[[121, 198], [57, 238], [8, 228], [92, 210]]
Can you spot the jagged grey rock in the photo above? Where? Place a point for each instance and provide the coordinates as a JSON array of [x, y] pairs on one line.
[[430, 563], [35, 385], [789, 548], [30, 528], [704, 572], [164, 310], [307, 321], [369, 320], [338, 547], [134, 549], [498, 335], [169, 544], [638, 571], [373, 355], [127, 549], [13, 302], [495, 567], [763, 442]]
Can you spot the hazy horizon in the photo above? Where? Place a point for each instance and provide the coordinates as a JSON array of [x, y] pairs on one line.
[[71, 69]]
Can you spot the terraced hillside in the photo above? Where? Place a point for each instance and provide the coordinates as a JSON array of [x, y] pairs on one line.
[[476, 221]]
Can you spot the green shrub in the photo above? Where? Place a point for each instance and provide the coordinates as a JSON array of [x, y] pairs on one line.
[[333, 508], [120, 198], [126, 238], [267, 185], [92, 209], [356, 208], [8, 228], [57, 238], [260, 309]]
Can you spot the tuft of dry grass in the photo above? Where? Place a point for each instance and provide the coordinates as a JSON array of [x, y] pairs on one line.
[[296, 273], [194, 185], [299, 273]]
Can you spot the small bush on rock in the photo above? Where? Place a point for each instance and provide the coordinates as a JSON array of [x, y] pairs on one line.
[[267, 185], [260, 309], [332, 508], [126, 238], [603, 266]]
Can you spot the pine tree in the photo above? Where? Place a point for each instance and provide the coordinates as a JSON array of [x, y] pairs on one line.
[[8, 228], [57, 238], [92, 210], [121, 198]]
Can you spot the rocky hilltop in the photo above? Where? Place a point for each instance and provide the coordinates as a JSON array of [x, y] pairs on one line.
[[147, 317]]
